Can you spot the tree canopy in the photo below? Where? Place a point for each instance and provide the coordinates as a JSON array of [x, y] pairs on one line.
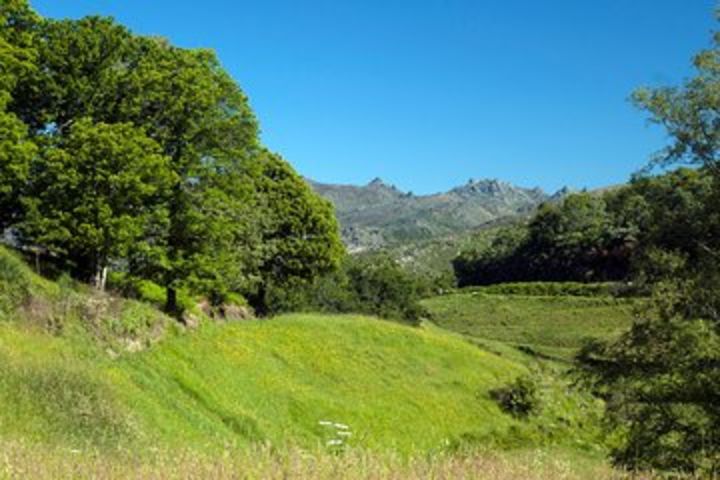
[[125, 152], [661, 379]]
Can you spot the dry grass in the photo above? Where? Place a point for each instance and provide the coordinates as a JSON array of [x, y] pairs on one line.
[[19, 460]]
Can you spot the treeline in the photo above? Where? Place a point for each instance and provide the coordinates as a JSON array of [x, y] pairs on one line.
[[642, 231], [125, 157], [373, 284], [660, 380]]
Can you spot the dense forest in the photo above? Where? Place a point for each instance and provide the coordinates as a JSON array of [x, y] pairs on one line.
[[639, 232]]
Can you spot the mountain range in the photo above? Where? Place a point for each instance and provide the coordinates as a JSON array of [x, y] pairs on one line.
[[379, 215]]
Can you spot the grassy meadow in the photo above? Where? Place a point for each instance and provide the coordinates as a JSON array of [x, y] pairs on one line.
[[554, 326], [88, 380]]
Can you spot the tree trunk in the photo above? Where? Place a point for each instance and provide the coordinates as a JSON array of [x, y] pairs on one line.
[[101, 278], [171, 305]]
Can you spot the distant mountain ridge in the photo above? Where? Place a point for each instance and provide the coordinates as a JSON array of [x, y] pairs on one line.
[[378, 214]]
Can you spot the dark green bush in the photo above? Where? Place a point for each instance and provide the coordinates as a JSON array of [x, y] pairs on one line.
[[552, 289], [373, 285], [642, 231], [521, 398]]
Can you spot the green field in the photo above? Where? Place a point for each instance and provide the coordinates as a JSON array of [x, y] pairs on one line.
[[88, 372], [255, 381], [552, 326]]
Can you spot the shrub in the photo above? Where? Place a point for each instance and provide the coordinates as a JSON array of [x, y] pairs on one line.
[[521, 398], [373, 285], [14, 282], [552, 289]]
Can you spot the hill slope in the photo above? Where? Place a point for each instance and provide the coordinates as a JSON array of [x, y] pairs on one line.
[[92, 378], [513, 314], [256, 381], [78, 368], [378, 214]]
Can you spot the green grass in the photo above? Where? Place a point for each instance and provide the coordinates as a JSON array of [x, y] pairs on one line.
[[93, 372], [555, 326], [275, 380], [396, 387]]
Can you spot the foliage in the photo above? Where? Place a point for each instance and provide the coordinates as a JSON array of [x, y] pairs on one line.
[[372, 284], [661, 382], [519, 398], [186, 197], [300, 237], [661, 379], [17, 23], [600, 237], [95, 194]]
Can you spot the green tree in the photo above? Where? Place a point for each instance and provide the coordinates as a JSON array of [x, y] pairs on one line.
[[183, 100], [661, 379], [202, 120], [17, 57], [94, 194], [300, 236], [235, 218], [381, 287]]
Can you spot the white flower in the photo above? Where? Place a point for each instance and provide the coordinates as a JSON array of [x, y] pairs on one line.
[[325, 423], [334, 442], [344, 434], [341, 426]]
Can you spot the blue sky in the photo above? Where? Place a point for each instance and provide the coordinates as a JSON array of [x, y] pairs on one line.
[[428, 93]]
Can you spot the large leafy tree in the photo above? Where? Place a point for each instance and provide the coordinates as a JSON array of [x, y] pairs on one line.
[[17, 56], [79, 66], [184, 101], [661, 379], [573, 240], [238, 219], [95, 194], [300, 237], [202, 120]]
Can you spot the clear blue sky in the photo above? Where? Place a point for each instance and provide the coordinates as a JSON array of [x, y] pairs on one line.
[[428, 93]]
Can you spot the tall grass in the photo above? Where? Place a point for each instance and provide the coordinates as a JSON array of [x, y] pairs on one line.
[[19, 460]]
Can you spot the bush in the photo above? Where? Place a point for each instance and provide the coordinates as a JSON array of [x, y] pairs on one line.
[[552, 289], [373, 285], [520, 398], [14, 282], [148, 291]]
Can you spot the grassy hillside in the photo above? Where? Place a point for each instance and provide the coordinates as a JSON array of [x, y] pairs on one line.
[[256, 381], [77, 367], [552, 325]]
